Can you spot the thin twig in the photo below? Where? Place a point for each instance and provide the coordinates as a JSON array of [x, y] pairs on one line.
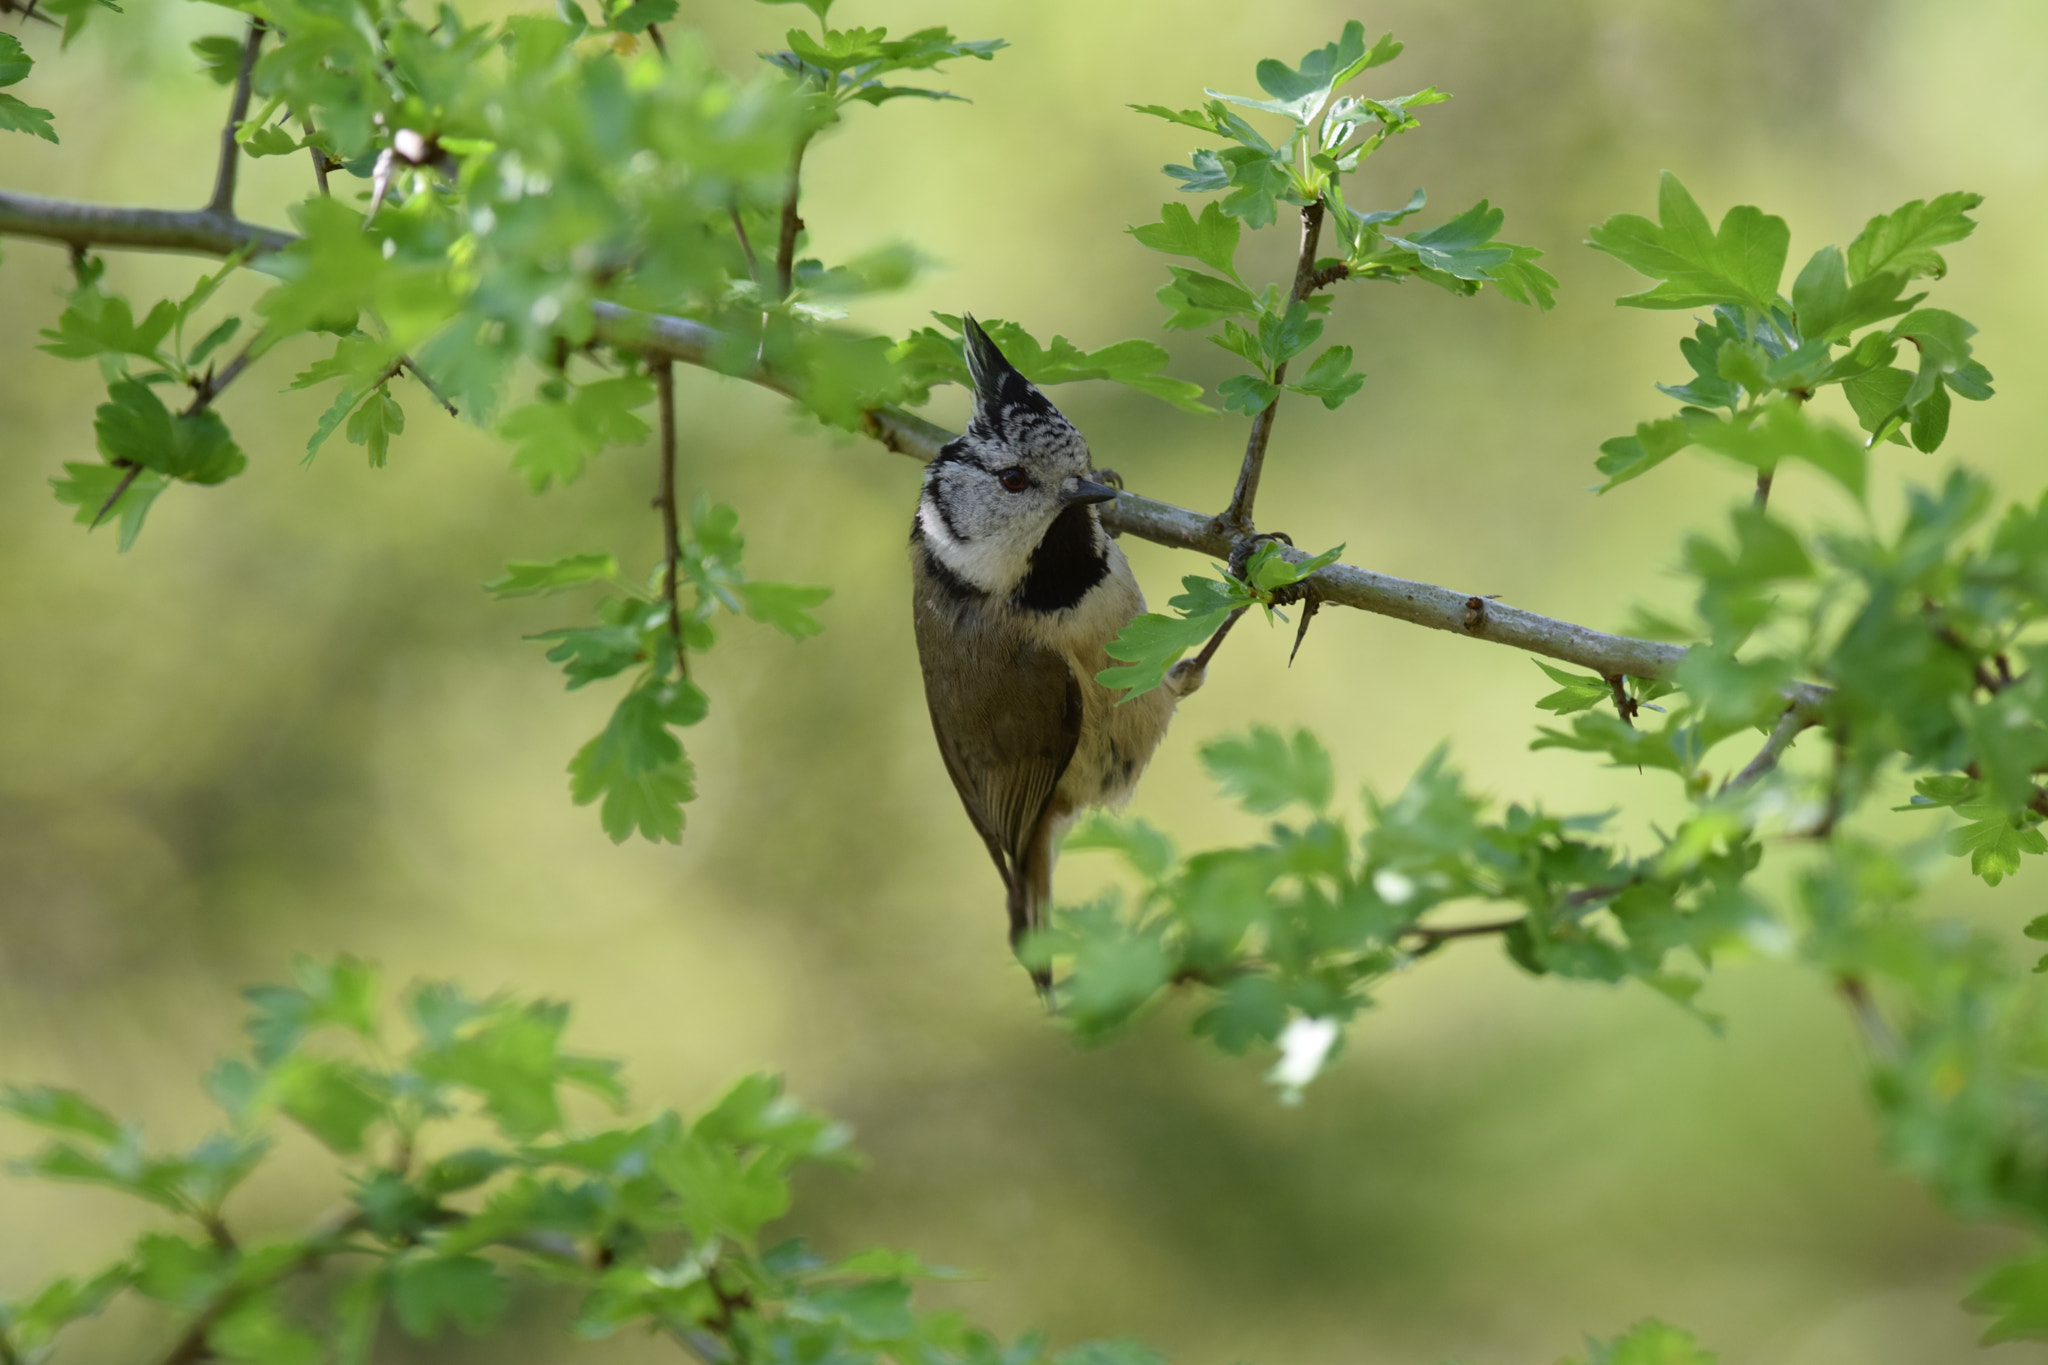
[[1238, 516], [1763, 488], [328, 1237], [1215, 642], [665, 499], [411, 367], [1431, 936], [321, 165], [1855, 991], [785, 242], [739, 230], [1782, 734], [223, 201], [209, 387]]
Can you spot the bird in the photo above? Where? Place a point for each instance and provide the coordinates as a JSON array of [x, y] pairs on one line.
[[1016, 590]]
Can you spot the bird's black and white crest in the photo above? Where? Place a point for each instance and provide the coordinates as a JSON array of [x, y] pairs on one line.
[[1007, 507], [1008, 407]]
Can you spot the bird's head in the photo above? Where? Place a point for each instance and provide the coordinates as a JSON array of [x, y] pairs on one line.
[[991, 496]]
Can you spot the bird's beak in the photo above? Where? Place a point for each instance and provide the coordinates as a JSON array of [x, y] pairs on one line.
[[1082, 491]]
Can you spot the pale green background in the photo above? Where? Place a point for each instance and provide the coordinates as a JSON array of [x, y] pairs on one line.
[[290, 721]]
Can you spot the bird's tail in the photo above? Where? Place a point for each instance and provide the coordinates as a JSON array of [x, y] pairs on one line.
[[1030, 889]]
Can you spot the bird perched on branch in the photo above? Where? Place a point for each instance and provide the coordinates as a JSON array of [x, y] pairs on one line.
[[1017, 590]]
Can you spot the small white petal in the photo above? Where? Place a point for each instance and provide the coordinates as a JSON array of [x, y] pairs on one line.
[[1304, 1046], [1393, 887]]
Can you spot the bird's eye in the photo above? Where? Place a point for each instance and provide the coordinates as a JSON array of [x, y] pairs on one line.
[[1015, 479]]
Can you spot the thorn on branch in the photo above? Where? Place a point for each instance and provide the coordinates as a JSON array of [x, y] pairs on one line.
[[660, 43], [1763, 488], [223, 200], [120, 490], [1310, 602]]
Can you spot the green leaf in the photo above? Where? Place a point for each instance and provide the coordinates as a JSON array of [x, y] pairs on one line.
[[1247, 393], [817, 7], [220, 57], [428, 1293], [20, 117], [1299, 92], [220, 335], [335, 1101], [556, 439], [1698, 267], [533, 578], [1330, 378], [375, 423], [1265, 771], [1995, 843], [1648, 1343], [1212, 239], [785, 606], [95, 324], [1145, 847], [1464, 246], [510, 1058], [1252, 1009], [1902, 242], [1272, 567], [873, 1312], [15, 63], [60, 1111], [1151, 644], [638, 767], [722, 1194], [1578, 691], [341, 994], [135, 428], [636, 17], [30, 1324]]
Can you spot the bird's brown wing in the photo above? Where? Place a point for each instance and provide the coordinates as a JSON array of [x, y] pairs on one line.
[[1007, 714]]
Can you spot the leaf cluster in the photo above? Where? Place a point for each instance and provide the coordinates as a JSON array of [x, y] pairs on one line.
[[1304, 923], [471, 1173], [636, 766], [1763, 356]]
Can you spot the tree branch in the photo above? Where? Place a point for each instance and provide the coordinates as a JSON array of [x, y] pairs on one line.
[[659, 337], [1238, 516], [223, 200], [192, 232], [665, 499]]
